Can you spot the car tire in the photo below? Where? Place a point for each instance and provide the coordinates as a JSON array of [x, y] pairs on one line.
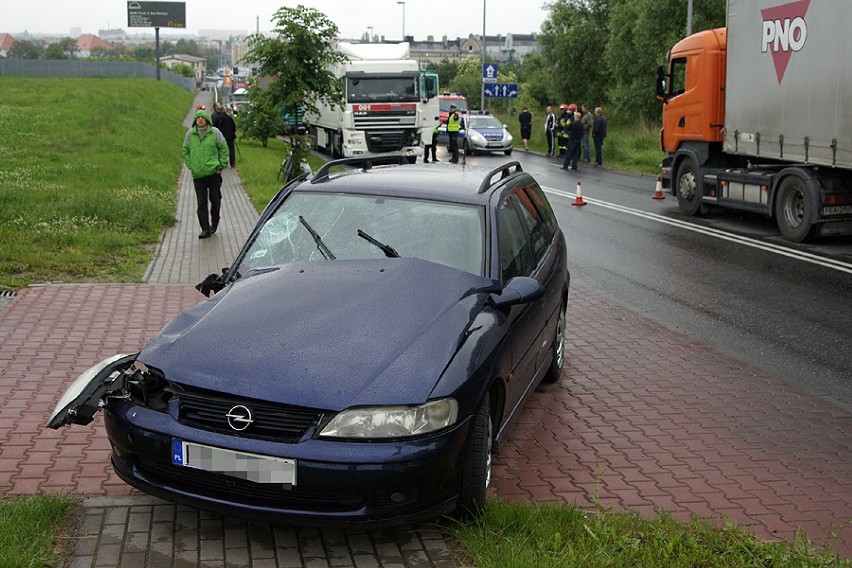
[[477, 468], [794, 211], [468, 150], [508, 152], [687, 187], [557, 350]]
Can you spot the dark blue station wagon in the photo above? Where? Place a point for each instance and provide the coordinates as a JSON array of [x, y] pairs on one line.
[[362, 359]]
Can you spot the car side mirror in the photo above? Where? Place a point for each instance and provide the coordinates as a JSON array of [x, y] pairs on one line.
[[518, 290], [213, 283], [661, 84]]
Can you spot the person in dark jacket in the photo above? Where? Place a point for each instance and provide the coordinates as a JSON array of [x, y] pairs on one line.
[[205, 153], [525, 118], [575, 138], [226, 125], [598, 135]]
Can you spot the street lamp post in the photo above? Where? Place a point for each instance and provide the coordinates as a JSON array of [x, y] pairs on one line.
[[482, 99], [403, 19]]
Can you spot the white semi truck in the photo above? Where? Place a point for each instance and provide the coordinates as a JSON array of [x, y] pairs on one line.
[[757, 115], [390, 106]]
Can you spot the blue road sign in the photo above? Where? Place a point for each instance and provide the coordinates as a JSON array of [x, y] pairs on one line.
[[502, 90], [489, 73]]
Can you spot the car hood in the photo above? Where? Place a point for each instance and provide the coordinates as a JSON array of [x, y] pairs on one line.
[[325, 335]]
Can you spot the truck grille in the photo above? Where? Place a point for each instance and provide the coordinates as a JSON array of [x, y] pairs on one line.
[[385, 141]]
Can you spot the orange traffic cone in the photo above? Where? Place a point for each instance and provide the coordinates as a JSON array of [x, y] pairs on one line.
[[579, 200], [658, 193]]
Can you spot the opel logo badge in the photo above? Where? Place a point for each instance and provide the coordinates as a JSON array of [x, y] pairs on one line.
[[239, 417]]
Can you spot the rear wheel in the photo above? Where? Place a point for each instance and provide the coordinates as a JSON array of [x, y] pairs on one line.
[[688, 188], [794, 210], [477, 467], [557, 350]]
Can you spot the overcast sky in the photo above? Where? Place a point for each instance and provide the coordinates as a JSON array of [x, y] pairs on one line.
[[422, 17]]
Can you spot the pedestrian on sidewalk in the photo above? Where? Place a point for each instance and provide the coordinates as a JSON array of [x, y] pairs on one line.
[[226, 125], [205, 153]]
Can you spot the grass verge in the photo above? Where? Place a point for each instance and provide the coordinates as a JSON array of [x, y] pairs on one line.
[[87, 176], [515, 535], [30, 527]]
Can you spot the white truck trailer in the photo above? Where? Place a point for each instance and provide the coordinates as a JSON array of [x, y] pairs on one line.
[[757, 117], [390, 108]]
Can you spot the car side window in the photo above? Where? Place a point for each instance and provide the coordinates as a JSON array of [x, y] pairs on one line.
[[536, 226], [543, 205], [515, 256]]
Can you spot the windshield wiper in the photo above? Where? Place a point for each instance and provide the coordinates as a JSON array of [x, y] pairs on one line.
[[318, 240], [387, 249]]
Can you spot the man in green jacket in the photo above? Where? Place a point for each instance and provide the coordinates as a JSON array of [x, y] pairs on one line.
[[205, 153]]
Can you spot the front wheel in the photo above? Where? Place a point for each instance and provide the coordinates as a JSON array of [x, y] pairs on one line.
[[467, 149], [794, 210], [508, 152], [687, 187], [477, 468]]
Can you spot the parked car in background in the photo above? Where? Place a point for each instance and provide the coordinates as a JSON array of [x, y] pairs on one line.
[[482, 133], [361, 360]]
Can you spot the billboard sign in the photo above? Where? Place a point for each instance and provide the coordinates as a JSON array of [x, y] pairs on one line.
[[156, 14]]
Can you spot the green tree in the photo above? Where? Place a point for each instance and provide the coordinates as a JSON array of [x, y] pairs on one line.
[[447, 71], [65, 48], [468, 81], [23, 49], [297, 62], [642, 32], [105, 54], [573, 38]]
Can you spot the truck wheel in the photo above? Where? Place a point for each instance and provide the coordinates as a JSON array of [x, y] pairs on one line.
[[477, 467], [688, 189], [794, 211]]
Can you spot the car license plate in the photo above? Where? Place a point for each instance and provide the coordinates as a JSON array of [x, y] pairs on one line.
[[252, 467]]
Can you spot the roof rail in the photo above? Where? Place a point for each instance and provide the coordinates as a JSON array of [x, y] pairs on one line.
[[365, 162], [505, 172]]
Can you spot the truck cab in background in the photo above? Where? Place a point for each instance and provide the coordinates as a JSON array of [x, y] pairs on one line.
[[390, 106], [755, 117]]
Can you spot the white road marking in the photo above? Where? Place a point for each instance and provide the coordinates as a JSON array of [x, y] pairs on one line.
[[754, 243]]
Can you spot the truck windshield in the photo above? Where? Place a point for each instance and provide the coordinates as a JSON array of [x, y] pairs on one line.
[[385, 89]]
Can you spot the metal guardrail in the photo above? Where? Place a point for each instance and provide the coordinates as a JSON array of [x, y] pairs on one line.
[[80, 68]]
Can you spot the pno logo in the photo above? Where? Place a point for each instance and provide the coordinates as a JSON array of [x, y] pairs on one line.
[[784, 31]]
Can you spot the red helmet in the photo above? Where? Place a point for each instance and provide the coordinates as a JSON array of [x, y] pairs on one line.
[[564, 106], [572, 106]]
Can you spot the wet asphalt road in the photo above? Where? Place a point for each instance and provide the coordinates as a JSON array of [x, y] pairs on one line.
[[728, 278]]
